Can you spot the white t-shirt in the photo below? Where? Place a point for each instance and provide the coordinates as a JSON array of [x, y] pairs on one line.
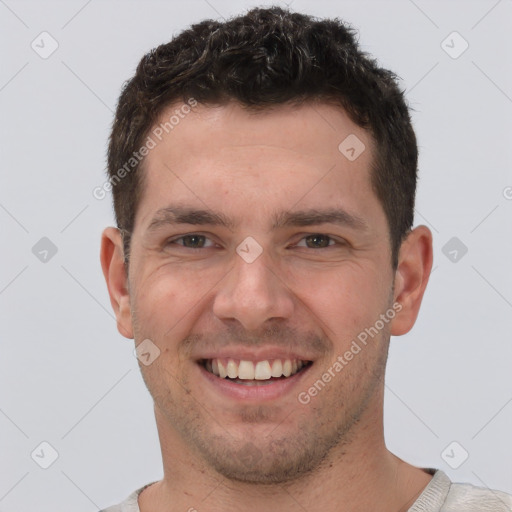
[[440, 495]]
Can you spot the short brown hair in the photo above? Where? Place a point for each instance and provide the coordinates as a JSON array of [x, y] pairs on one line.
[[265, 58]]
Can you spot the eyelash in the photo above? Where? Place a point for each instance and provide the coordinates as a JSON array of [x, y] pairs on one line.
[[331, 239]]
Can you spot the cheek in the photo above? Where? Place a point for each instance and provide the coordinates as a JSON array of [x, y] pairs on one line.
[[169, 299], [346, 299]]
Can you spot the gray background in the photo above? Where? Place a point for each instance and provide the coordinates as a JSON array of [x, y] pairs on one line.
[[70, 379]]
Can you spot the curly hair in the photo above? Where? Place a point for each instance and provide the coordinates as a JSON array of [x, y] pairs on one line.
[[261, 59]]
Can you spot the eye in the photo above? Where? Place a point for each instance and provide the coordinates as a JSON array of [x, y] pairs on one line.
[[317, 241], [191, 241]]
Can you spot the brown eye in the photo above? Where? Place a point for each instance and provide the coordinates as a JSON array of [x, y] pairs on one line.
[[192, 241], [318, 241]]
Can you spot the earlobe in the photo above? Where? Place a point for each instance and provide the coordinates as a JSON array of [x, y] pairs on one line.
[[114, 271], [411, 278]]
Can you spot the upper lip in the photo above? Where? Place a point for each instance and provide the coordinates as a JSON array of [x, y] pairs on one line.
[[267, 353]]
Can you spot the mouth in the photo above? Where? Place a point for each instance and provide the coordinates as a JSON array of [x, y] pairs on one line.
[[255, 373]]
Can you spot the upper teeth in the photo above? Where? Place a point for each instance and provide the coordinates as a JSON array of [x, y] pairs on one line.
[[249, 370]]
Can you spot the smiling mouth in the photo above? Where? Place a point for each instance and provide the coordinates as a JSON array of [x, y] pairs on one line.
[[255, 373]]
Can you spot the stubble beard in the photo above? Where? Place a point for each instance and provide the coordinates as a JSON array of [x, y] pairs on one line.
[[276, 457]]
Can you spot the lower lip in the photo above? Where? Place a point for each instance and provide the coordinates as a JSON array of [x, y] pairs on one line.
[[273, 390]]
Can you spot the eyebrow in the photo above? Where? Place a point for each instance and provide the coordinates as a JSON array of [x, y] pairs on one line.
[[319, 216], [186, 215], [174, 215]]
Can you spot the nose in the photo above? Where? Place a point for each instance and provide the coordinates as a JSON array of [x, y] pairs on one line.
[[253, 293]]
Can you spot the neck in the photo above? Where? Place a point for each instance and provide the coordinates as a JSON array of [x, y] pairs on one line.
[[359, 475]]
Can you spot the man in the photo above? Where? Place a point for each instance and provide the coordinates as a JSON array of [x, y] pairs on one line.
[[264, 174]]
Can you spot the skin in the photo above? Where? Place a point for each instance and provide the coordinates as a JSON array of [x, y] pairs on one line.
[[220, 453]]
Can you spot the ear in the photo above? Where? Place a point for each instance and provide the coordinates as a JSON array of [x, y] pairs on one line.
[[112, 263], [411, 278]]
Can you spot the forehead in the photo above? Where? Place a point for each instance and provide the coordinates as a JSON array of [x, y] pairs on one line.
[[304, 128], [233, 159]]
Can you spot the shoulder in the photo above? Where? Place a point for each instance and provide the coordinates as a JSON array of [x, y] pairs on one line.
[[130, 504], [442, 495], [469, 498]]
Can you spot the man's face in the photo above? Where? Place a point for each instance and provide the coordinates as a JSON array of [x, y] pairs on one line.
[[261, 289]]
